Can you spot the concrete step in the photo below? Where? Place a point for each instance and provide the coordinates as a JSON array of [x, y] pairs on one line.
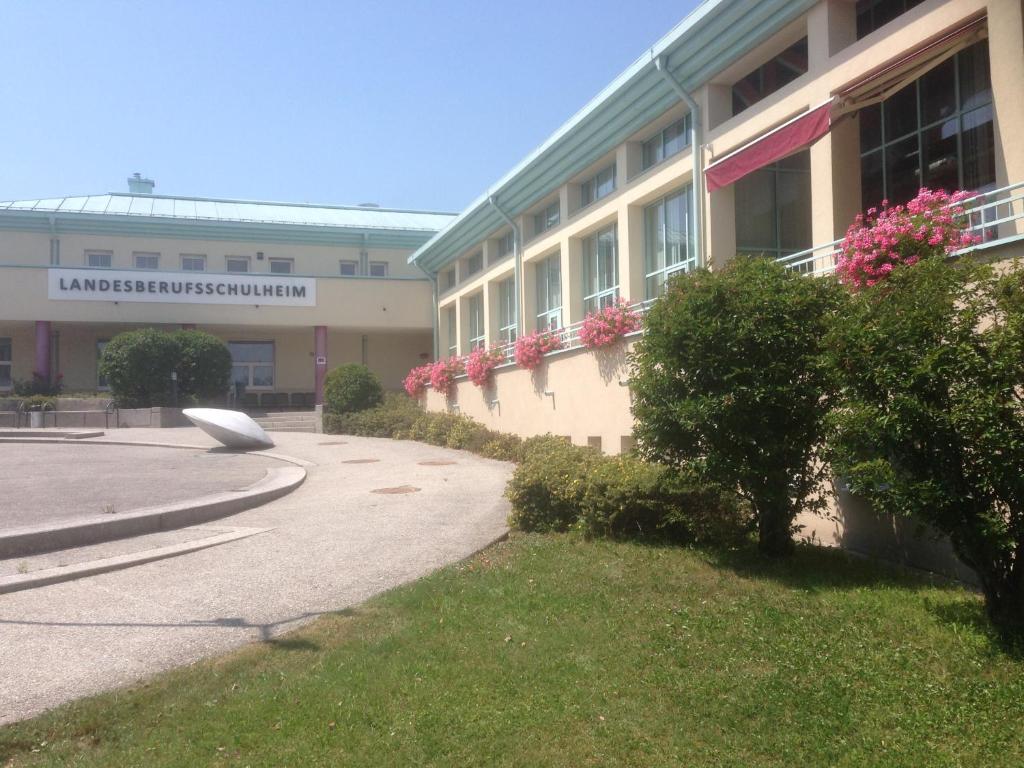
[[289, 427], [286, 416]]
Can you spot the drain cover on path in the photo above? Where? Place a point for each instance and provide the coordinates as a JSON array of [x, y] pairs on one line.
[[360, 461], [436, 463], [397, 489]]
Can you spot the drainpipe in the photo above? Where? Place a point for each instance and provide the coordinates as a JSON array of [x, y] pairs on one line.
[[433, 325], [54, 241], [517, 250], [661, 64]]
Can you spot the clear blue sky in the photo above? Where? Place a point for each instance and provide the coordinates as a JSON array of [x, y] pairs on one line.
[[403, 103]]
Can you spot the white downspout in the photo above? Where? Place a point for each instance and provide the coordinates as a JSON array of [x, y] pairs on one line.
[[517, 250], [434, 322], [661, 64]]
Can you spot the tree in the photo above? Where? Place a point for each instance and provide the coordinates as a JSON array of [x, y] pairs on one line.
[[730, 378], [931, 423], [351, 387], [204, 365]]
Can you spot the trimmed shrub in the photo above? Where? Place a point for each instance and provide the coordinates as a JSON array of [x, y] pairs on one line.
[[351, 387], [138, 366], [392, 418], [204, 365], [549, 484]]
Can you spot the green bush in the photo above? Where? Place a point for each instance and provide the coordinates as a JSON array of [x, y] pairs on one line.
[[138, 367], [732, 378], [204, 365], [394, 418], [350, 388], [548, 487], [38, 403]]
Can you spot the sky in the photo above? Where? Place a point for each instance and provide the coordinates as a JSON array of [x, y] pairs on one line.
[[406, 104]]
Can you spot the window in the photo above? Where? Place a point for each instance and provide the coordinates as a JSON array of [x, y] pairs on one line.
[[101, 259], [378, 269], [872, 14], [453, 336], [237, 263], [474, 264], [282, 266], [449, 279], [548, 218], [507, 330], [6, 381], [146, 260], [773, 208], [477, 334], [349, 268], [193, 262], [600, 270], [600, 185], [101, 380], [936, 132], [666, 143], [668, 248], [252, 364], [770, 76], [549, 293], [506, 244]]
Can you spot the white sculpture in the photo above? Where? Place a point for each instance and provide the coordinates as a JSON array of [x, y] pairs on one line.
[[233, 428]]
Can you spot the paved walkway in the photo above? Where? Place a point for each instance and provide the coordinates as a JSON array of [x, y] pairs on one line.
[[334, 543]]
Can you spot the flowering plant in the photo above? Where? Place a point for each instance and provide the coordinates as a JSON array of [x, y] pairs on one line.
[[530, 349], [481, 362], [443, 373], [608, 325], [418, 380], [932, 224]]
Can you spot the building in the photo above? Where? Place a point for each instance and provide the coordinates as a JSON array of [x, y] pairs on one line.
[[750, 128], [292, 289]]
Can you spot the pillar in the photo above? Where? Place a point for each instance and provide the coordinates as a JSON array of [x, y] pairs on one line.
[[42, 366], [319, 360]]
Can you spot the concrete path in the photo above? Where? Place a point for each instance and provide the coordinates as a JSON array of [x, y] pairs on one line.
[[334, 542]]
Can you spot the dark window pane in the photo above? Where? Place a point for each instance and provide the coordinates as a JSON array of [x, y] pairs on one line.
[[886, 11], [872, 190], [801, 161], [903, 170], [863, 19], [794, 202], [975, 83], [870, 127], [901, 113], [941, 169], [979, 159], [938, 93], [755, 212]]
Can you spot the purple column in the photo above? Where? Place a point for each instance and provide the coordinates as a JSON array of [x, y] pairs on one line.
[[42, 367], [320, 360]]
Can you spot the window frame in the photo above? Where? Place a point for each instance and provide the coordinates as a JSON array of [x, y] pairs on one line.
[[592, 263], [760, 71], [90, 253], [251, 365], [549, 318], [201, 257], [373, 264], [506, 244], [508, 326], [240, 260], [548, 217], [353, 263], [590, 189], [453, 332], [659, 137], [477, 336], [475, 259], [280, 260], [137, 255], [8, 342], [688, 262], [776, 250]]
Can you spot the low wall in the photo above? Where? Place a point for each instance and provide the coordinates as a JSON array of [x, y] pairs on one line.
[[586, 401]]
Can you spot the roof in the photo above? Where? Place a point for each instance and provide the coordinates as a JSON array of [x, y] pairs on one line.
[[710, 38], [219, 219]]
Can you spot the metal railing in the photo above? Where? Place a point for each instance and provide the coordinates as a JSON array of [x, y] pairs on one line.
[[994, 216]]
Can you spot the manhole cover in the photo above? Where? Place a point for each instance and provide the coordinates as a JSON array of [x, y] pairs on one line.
[[397, 489], [436, 463], [360, 461], [336, 442]]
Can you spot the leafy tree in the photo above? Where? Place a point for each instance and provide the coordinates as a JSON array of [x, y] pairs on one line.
[[730, 378], [138, 366], [204, 365], [351, 387], [931, 422]]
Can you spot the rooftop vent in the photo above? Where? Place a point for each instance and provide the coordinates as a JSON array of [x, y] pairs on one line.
[[140, 186]]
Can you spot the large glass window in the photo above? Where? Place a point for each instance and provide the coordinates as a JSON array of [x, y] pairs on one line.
[[453, 334], [474, 264], [668, 244], [507, 330], [252, 363], [6, 381], [770, 76], [872, 14], [477, 334], [600, 270], [597, 186], [773, 208], [547, 218], [666, 143], [506, 244], [549, 293], [937, 132], [449, 279]]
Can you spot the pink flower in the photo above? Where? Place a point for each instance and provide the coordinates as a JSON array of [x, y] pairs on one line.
[[481, 362], [608, 325], [530, 349], [443, 373], [418, 380]]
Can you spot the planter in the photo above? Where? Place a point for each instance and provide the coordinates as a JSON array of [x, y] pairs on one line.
[[35, 419]]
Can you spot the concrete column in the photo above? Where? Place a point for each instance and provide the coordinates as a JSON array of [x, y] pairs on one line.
[[631, 253], [42, 366], [319, 361], [1005, 43]]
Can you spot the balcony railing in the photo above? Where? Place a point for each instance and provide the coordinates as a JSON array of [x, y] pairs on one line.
[[993, 216]]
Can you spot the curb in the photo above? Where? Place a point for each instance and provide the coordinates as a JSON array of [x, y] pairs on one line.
[[47, 576], [277, 482]]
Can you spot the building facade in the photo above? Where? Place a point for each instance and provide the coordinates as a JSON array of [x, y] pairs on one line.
[[751, 128], [292, 289]]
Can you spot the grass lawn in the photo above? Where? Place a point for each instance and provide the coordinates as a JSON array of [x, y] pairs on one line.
[[552, 651]]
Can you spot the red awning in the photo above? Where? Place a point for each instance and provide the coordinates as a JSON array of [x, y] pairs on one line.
[[774, 145]]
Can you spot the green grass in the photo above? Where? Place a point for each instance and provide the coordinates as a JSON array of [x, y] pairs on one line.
[[552, 651]]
